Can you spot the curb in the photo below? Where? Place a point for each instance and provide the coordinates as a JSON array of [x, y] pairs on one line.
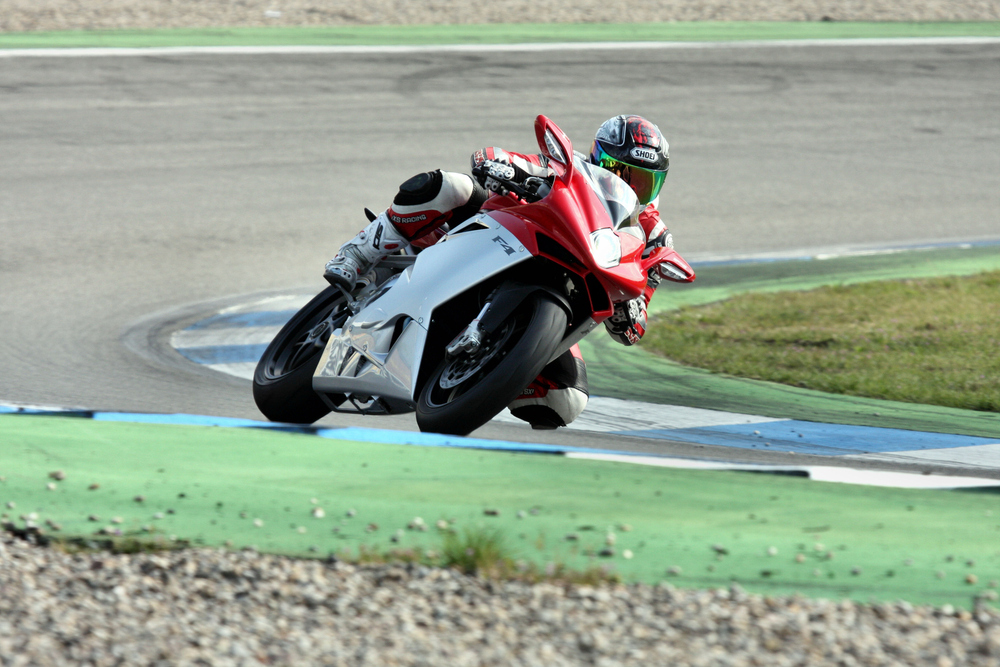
[[382, 436]]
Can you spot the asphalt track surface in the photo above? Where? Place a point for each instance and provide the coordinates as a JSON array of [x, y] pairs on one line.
[[138, 194]]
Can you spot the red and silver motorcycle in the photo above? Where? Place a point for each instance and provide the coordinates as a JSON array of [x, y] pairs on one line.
[[457, 331]]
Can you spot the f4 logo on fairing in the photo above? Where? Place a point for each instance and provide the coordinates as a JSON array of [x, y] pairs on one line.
[[503, 244]]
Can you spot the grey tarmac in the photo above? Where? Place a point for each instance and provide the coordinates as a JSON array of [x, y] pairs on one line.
[[143, 190]]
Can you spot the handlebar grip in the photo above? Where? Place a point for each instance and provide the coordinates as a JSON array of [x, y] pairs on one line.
[[499, 178]]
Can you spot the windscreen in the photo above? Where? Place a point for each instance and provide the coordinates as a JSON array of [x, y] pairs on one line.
[[619, 201]]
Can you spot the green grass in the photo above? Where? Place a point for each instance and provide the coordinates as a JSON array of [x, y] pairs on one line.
[[639, 374], [494, 34], [525, 515], [930, 341]]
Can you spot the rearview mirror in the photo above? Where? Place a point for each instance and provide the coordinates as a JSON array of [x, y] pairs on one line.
[[555, 145]]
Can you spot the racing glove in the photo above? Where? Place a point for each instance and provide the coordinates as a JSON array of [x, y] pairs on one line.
[[659, 237], [492, 173]]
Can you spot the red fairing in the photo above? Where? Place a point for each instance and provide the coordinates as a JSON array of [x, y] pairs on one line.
[[568, 215], [428, 239]]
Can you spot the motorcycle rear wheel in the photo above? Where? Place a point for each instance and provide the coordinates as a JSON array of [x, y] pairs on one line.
[[463, 393], [282, 381]]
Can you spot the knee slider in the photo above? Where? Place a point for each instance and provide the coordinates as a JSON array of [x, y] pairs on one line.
[[558, 407], [420, 189]]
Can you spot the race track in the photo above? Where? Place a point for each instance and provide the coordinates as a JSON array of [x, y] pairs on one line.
[[138, 194]]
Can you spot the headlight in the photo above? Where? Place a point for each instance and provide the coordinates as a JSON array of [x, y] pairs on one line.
[[606, 248]]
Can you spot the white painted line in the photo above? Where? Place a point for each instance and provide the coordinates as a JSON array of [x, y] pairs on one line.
[[279, 302], [261, 335], [839, 251], [614, 415], [685, 464], [243, 370], [90, 52], [33, 407], [987, 456], [897, 480]]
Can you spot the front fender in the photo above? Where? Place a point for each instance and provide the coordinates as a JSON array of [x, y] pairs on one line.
[[511, 294]]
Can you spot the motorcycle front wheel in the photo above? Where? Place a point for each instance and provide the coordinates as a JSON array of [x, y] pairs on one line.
[[466, 391], [282, 382]]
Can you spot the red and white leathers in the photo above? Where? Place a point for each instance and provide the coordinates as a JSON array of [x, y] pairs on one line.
[[418, 217], [423, 205], [628, 324], [559, 394]]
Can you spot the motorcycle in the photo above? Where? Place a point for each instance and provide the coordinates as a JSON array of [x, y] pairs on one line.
[[457, 331]]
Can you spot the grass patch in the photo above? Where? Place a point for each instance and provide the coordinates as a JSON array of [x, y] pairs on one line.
[[529, 515], [640, 374], [480, 551], [485, 552], [488, 553], [477, 550], [494, 33], [111, 543], [930, 341]]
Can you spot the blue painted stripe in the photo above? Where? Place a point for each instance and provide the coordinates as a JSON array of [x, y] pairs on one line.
[[814, 438], [353, 434], [223, 354], [180, 420], [264, 318]]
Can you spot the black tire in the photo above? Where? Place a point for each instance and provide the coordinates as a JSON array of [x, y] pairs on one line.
[[282, 382], [510, 359]]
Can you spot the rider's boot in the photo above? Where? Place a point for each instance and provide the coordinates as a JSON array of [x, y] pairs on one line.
[[423, 204], [356, 257]]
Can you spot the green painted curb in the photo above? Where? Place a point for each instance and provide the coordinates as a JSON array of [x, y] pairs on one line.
[[201, 481], [493, 34], [628, 373]]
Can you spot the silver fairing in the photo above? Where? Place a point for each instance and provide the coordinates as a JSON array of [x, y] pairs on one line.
[[363, 360]]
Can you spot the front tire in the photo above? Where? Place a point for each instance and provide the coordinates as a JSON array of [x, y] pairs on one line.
[[465, 392], [282, 382]]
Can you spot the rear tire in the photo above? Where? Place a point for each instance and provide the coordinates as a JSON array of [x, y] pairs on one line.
[[282, 382], [464, 393]]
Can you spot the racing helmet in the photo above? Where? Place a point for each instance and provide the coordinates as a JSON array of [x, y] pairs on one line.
[[635, 150]]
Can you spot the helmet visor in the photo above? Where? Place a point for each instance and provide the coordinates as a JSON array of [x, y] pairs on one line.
[[646, 183]]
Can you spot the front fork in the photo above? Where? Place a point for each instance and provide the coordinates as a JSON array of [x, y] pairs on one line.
[[470, 339]]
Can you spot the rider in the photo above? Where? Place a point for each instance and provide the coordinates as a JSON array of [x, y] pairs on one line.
[[427, 204]]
